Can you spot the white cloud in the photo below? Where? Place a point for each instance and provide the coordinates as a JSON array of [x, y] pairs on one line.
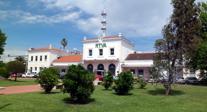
[[133, 18], [27, 17], [59, 4]]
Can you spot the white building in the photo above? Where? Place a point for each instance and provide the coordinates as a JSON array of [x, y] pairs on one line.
[[39, 58], [107, 54]]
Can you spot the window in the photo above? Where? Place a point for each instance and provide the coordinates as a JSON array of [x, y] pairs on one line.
[[101, 52], [63, 70], [90, 52], [132, 71], [90, 68], [36, 58], [141, 72], [31, 58], [45, 57], [30, 69], [112, 69], [40, 58], [112, 51], [41, 68], [35, 68]]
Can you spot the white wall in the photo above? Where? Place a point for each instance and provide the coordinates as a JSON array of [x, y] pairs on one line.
[[106, 51], [44, 63], [121, 51]]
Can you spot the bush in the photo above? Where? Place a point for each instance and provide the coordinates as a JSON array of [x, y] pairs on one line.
[[108, 80], [124, 83], [78, 82], [142, 83], [4, 73], [48, 78]]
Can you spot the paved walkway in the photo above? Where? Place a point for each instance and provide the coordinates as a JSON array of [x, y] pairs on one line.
[[20, 89]]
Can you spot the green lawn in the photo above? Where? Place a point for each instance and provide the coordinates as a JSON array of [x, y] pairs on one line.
[[185, 99], [4, 83]]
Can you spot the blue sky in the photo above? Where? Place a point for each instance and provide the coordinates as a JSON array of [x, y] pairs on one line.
[[38, 23]]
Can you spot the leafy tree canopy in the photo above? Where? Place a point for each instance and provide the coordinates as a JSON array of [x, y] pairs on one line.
[[2, 41]]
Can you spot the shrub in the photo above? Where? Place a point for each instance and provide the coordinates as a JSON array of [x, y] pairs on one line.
[[108, 80], [124, 83], [78, 82], [142, 83], [4, 73], [48, 78]]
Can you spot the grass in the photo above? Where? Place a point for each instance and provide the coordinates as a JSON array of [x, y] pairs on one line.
[[185, 99], [5, 83]]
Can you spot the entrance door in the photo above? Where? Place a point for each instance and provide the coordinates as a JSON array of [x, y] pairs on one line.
[[100, 69], [112, 69]]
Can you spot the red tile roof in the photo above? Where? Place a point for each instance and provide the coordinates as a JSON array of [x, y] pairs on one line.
[[140, 56], [68, 59]]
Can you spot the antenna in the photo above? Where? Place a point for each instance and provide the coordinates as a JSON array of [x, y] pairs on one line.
[[103, 22]]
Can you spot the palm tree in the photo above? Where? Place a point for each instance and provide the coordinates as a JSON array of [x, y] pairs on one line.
[[64, 43]]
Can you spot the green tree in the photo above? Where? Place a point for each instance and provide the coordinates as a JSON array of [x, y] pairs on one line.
[[64, 43], [20, 59], [199, 57], [180, 39], [124, 83], [48, 78], [78, 82], [3, 71], [142, 83], [108, 80], [2, 41], [15, 67]]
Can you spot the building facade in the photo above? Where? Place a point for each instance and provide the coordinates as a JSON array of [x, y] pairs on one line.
[[107, 54], [62, 63], [113, 54], [39, 58]]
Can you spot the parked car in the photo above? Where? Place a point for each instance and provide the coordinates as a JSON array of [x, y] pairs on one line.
[[191, 80], [152, 81], [180, 80], [29, 75], [203, 81]]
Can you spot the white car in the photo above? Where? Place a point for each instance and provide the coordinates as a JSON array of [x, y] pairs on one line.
[[28, 75]]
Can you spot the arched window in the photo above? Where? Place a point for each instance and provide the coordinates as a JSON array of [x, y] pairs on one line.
[[90, 68], [112, 69], [100, 67]]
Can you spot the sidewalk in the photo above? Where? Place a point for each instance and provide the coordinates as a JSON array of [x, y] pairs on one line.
[[19, 89]]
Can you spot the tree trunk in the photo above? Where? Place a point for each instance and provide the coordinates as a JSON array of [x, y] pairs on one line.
[[15, 78], [168, 89]]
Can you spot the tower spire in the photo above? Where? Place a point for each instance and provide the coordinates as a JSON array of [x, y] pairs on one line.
[[103, 22]]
